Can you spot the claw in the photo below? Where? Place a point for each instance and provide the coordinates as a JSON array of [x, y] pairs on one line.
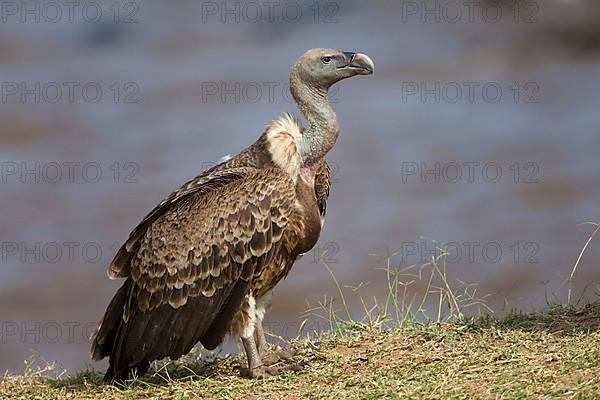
[[274, 357]]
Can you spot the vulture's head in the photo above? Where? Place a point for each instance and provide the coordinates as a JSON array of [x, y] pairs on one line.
[[323, 67]]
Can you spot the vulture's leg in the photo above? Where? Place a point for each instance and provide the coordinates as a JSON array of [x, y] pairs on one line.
[[254, 344], [263, 303], [259, 338], [256, 368], [255, 365], [269, 357], [260, 360]]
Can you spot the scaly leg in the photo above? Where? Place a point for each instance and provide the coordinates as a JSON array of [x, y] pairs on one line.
[[255, 365], [261, 361], [259, 338], [269, 357], [256, 368]]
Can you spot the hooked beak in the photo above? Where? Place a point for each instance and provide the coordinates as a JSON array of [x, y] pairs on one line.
[[359, 62]]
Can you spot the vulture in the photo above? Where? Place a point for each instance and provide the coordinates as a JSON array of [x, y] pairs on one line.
[[203, 263]]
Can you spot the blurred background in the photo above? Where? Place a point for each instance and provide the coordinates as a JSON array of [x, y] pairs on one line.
[[479, 129]]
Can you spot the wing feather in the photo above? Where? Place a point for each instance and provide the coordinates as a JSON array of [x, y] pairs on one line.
[[193, 266], [210, 180]]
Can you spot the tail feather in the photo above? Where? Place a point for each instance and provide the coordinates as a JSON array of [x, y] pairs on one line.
[[133, 338], [109, 338], [104, 340]]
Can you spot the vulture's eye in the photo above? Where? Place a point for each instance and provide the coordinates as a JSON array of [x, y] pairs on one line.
[[326, 60]]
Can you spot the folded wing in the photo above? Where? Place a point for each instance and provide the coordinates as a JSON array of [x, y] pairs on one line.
[[190, 265]]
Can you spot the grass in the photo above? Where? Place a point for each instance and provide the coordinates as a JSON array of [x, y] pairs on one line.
[[399, 349], [552, 354]]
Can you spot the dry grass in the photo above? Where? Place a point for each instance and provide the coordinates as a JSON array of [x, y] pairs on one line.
[[389, 353], [555, 354]]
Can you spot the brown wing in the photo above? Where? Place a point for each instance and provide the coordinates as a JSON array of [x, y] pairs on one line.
[[218, 176], [322, 185], [192, 269]]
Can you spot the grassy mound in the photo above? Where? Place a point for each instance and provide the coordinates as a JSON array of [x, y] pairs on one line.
[[554, 354]]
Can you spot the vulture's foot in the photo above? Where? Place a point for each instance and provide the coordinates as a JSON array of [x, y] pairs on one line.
[[270, 371], [292, 366], [271, 357], [263, 362]]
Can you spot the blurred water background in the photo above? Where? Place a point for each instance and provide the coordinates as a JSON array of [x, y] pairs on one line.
[[476, 129]]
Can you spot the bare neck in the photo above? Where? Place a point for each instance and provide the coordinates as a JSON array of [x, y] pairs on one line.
[[322, 128]]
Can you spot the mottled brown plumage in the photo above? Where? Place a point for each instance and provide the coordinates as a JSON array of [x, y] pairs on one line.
[[203, 263]]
